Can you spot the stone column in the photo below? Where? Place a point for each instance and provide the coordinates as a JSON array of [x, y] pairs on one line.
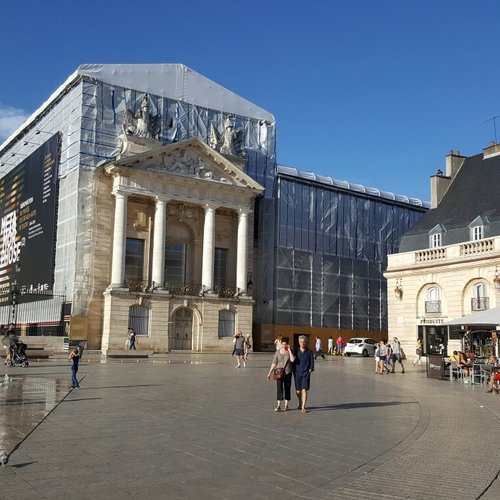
[[207, 269], [119, 240], [158, 264], [241, 256]]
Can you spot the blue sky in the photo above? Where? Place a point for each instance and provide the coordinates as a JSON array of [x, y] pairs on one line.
[[375, 92]]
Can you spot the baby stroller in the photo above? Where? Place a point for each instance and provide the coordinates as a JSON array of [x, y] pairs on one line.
[[17, 351]]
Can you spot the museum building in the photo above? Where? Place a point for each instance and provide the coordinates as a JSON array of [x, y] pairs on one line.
[[148, 196], [448, 268]]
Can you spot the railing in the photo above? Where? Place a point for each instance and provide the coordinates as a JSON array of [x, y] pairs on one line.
[[227, 292], [432, 306], [477, 247], [430, 255], [480, 303], [143, 286], [184, 288]]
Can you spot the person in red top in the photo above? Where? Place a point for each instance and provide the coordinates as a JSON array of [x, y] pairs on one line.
[[340, 345]]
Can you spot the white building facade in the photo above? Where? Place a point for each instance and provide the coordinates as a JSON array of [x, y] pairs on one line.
[[449, 263]]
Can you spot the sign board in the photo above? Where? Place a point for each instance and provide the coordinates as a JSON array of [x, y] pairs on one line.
[[28, 218], [435, 367]]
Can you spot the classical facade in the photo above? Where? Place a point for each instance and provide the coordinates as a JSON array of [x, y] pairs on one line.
[[449, 262], [177, 221]]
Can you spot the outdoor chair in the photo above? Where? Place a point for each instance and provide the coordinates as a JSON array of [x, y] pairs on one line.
[[456, 371]]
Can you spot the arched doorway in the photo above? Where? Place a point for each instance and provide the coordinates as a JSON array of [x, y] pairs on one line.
[[182, 338]]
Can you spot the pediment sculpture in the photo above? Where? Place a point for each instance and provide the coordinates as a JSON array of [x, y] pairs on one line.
[[142, 123], [228, 142], [194, 167]]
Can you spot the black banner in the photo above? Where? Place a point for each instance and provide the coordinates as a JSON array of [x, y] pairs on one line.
[[28, 217]]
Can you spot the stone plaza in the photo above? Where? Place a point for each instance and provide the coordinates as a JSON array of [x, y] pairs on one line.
[[194, 426]]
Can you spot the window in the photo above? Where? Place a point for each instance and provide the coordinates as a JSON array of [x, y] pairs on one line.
[[433, 294], [479, 291], [175, 263], [220, 267], [477, 233], [134, 259], [433, 302], [435, 240], [479, 302], [138, 319], [226, 323]]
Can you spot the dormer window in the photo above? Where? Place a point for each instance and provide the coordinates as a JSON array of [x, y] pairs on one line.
[[436, 240], [436, 236], [478, 228], [477, 233]]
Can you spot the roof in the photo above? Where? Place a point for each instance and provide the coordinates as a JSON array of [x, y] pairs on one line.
[[173, 81], [349, 186], [473, 192], [483, 318]]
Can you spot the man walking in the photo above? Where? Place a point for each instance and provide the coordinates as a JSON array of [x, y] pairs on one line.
[[131, 339], [397, 355], [319, 351], [239, 349]]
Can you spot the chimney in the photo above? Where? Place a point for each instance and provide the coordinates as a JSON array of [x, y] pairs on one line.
[[492, 150], [454, 160], [439, 182]]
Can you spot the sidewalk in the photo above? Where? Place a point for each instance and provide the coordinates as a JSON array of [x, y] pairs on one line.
[[195, 426]]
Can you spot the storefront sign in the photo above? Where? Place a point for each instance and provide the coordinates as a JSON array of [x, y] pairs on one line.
[[431, 321]]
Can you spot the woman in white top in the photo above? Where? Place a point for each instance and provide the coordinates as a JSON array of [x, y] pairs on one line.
[[382, 353]]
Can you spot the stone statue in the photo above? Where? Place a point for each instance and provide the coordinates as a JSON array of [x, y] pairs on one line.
[[142, 124], [230, 141]]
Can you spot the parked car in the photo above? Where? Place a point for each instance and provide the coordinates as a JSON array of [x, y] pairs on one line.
[[360, 345]]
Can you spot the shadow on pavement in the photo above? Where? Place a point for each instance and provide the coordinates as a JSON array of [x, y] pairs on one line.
[[366, 404], [118, 387]]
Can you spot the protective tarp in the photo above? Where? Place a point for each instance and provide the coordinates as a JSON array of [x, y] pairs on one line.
[[90, 110], [332, 248]]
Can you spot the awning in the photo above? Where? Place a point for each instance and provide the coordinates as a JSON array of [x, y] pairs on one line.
[[491, 317]]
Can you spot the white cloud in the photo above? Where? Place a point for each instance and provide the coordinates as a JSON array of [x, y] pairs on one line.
[[10, 119]]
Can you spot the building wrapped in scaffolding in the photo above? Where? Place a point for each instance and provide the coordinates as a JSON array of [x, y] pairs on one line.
[[320, 245], [332, 242]]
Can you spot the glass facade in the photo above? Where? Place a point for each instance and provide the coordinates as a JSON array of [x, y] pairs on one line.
[[331, 251]]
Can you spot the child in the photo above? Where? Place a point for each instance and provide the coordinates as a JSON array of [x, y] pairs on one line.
[[75, 358]]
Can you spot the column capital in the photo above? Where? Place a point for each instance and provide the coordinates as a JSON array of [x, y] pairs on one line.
[[243, 211], [161, 200], [210, 206], [118, 193]]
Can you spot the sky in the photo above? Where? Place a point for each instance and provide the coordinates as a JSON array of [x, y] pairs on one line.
[[373, 92]]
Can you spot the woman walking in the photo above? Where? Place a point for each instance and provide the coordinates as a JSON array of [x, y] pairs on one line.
[[282, 361], [304, 366], [247, 347], [382, 354], [418, 353], [74, 356]]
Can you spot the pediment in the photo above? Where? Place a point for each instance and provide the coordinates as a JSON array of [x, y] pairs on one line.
[[191, 159]]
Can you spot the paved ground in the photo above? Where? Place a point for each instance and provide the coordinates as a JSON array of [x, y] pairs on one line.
[[199, 428]]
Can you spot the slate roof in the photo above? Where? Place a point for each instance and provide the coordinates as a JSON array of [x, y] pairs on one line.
[[474, 192]]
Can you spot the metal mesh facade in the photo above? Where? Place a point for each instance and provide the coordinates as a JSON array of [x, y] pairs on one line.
[[331, 251]]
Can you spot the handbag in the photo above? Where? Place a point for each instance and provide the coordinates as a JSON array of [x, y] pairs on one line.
[[278, 373]]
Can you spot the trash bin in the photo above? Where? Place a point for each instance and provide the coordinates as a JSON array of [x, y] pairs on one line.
[[435, 367]]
